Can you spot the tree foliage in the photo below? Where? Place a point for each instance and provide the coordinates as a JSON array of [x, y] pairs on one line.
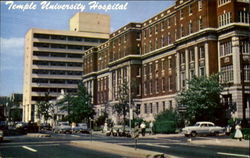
[[78, 105], [202, 99], [45, 108], [122, 107]]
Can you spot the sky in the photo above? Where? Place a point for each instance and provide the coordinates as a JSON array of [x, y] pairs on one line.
[[18, 17]]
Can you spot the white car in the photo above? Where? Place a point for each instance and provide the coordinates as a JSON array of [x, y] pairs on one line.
[[81, 128], [62, 127], [207, 128], [1, 135]]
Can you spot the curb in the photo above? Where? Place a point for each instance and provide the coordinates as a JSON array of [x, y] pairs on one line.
[[39, 135], [118, 149]]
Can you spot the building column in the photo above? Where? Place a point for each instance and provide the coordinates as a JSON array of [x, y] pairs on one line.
[[236, 60], [110, 85], [186, 65], [178, 71], [218, 49], [237, 95], [206, 59], [196, 63]]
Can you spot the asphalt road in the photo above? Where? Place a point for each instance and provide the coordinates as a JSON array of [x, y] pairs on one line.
[[58, 146]]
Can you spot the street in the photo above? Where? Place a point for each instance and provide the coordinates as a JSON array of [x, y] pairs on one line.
[[58, 145]]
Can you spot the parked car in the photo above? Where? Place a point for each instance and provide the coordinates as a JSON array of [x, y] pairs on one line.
[[206, 128], [1, 135], [81, 128], [62, 127], [118, 131], [45, 127]]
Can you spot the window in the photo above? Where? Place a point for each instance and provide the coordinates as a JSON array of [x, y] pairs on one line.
[[201, 52], [247, 73], [202, 71], [150, 31], [170, 104], [157, 85], [145, 48], [227, 73], [157, 107], [145, 88], [182, 30], [145, 109], [191, 55], [162, 26], [156, 28], [168, 22], [225, 48], [182, 57], [145, 33], [200, 5], [162, 41], [150, 86], [170, 83], [190, 27], [190, 10], [192, 74], [156, 43], [243, 16], [151, 108], [183, 79], [200, 22], [221, 2], [225, 19], [150, 46], [181, 14], [163, 105], [163, 84], [245, 46]]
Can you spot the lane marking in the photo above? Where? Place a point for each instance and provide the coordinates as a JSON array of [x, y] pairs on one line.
[[28, 148], [16, 146], [149, 144], [45, 142], [230, 154], [75, 135], [156, 145]]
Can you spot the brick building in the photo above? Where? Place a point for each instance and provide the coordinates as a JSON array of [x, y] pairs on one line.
[[192, 37]]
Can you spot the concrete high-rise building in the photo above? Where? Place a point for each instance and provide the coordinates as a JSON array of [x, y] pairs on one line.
[[54, 59]]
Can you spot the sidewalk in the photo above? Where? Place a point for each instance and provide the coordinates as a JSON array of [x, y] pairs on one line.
[[119, 149], [218, 140], [205, 140]]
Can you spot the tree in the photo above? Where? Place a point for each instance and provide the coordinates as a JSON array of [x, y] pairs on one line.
[[45, 108], [78, 105], [122, 107], [202, 99]]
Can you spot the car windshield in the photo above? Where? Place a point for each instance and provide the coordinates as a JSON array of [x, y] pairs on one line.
[[197, 124], [64, 124]]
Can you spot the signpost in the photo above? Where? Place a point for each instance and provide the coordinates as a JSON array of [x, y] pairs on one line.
[[136, 134]]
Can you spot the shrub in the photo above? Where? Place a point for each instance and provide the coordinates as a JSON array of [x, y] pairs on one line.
[[166, 122], [165, 127]]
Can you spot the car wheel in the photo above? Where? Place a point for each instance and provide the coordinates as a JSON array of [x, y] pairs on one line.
[[193, 134]]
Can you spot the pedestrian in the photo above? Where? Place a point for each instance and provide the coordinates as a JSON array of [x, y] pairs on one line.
[[151, 124], [143, 128], [238, 134], [228, 130]]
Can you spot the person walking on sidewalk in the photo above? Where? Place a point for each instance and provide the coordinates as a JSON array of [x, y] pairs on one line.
[[151, 127], [238, 134], [143, 128]]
